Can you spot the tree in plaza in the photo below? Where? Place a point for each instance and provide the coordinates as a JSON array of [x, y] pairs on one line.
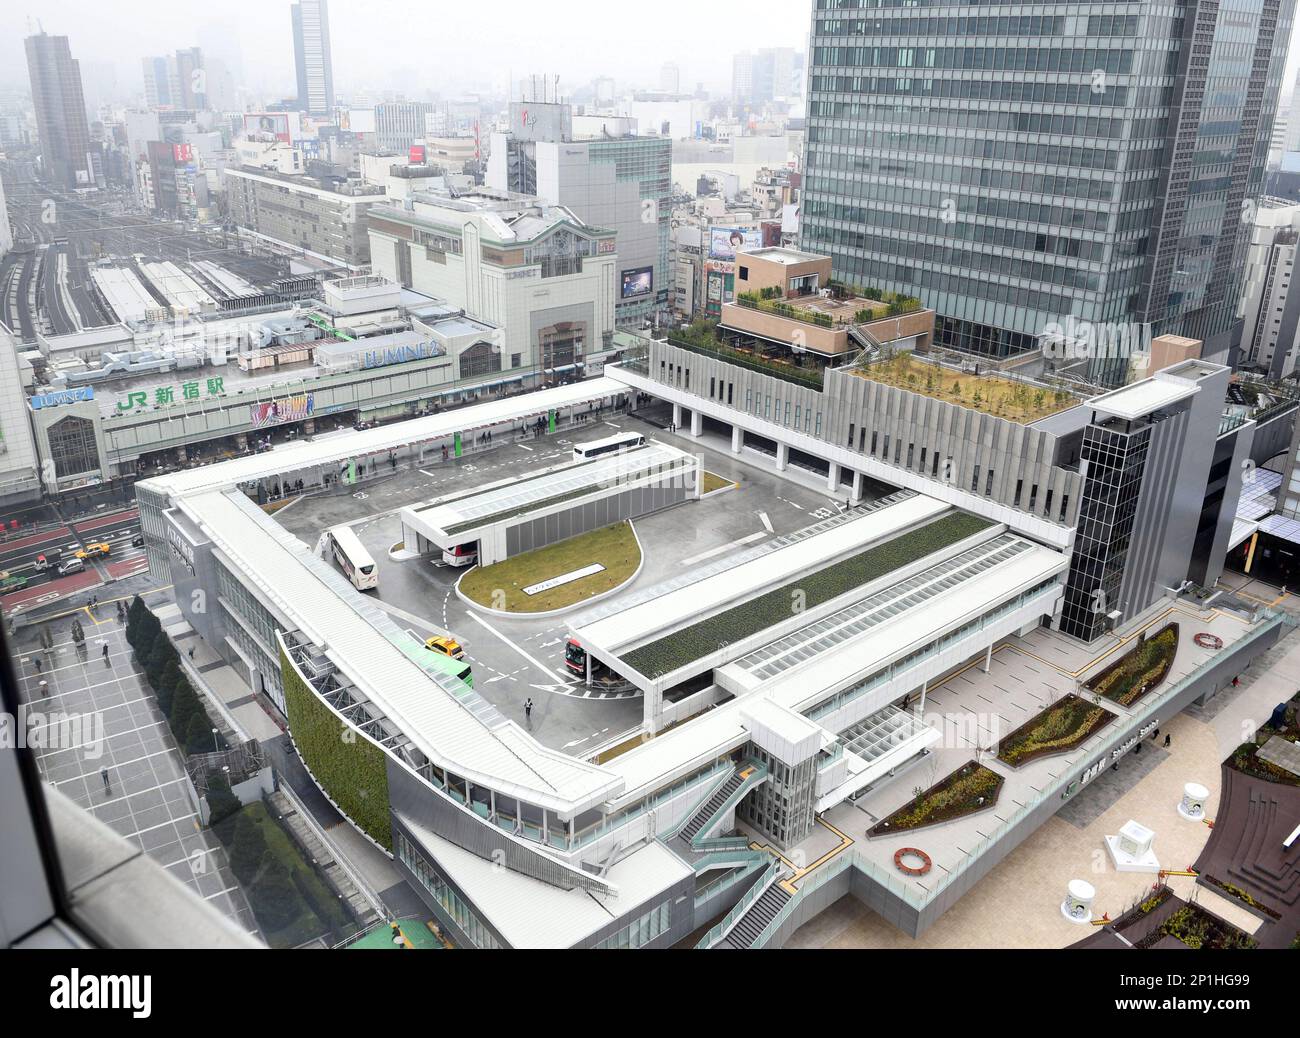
[[222, 803], [159, 655], [135, 619], [247, 846], [78, 632], [185, 704], [276, 899], [198, 733]]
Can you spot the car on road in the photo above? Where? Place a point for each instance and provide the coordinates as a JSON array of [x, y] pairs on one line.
[[137, 541], [69, 566], [11, 582], [48, 560], [446, 647], [94, 551]]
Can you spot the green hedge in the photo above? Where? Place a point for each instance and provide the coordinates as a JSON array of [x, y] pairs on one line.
[[666, 654], [348, 766]]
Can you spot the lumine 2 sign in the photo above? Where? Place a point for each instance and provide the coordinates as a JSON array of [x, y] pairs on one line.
[[168, 394]]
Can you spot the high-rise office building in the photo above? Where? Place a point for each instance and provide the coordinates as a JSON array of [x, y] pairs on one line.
[[767, 75], [311, 53], [60, 112], [1079, 166], [6, 235], [398, 124], [670, 78], [176, 81]]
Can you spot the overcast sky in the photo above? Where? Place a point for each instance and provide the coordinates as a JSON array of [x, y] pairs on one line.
[[415, 47]]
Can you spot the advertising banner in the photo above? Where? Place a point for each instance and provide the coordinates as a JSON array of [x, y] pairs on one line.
[[725, 242], [639, 281], [290, 409]]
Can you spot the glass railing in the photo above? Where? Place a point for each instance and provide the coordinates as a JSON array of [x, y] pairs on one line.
[[818, 878], [728, 880], [622, 818], [742, 906], [759, 773]]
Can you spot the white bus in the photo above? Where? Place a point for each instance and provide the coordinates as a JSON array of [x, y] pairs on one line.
[[461, 555], [609, 445], [353, 559]]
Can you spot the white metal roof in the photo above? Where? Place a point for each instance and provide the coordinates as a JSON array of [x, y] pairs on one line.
[[612, 472], [721, 729], [677, 607], [302, 454], [1141, 398], [333, 615], [531, 914]]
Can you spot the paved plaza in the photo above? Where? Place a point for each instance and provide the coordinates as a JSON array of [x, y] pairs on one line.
[[1017, 904], [147, 798]]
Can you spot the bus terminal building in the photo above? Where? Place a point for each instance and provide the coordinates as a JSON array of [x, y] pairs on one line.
[[787, 688]]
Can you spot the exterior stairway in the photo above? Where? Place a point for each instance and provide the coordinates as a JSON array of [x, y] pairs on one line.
[[750, 926], [702, 817]]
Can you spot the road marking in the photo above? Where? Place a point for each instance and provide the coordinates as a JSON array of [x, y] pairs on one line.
[[767, 523], [724, 547], [540, 666]]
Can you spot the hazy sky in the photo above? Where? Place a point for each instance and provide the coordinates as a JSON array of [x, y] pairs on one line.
[[412, 46]]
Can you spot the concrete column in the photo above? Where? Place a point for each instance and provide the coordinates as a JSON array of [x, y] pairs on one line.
[[988, 658], [737, 439], [782, 457], [677, 415], [920, 709], [833, 478], [859, 484], [697, 422]]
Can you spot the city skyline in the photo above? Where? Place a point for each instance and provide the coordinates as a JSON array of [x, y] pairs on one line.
[[361, 44]]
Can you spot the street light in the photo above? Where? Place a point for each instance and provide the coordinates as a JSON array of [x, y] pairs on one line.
[[215, 747]]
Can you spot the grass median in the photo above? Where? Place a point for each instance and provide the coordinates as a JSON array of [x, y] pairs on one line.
[[501, 586]]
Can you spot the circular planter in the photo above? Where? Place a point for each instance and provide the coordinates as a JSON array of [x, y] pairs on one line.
[[1208, 641], [915, 853]]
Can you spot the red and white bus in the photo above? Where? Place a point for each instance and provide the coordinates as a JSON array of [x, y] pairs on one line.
[[461, 555]]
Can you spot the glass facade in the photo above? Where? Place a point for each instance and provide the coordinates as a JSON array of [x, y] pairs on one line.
[[1017, 170], [1115, 455], [73, 446], [457, 909], [642, 930]]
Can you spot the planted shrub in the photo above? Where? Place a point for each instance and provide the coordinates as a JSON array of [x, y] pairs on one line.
[[1139, 670], [1058, 729]]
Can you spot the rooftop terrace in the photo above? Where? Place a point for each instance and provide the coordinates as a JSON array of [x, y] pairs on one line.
[[1002, 397]]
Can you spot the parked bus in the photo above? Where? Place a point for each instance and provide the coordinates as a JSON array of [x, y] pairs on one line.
[[461, 555], [456, 668], [609, 445], [353, 558]]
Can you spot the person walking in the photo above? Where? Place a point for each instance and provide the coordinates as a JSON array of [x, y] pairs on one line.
[[37, 661], [528, 711], [1167, 741], [103, 774], [105, 652]]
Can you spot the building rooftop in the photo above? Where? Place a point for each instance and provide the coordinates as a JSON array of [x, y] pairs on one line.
[[363, 644], [1141, 398], [454, 519], [1002, 397]]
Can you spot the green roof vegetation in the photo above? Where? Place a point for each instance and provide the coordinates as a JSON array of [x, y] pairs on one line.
[[667, 654], [416, 934]]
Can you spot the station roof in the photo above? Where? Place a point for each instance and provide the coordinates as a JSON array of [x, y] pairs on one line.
[[531, 914], [455, 516], [461, 733], [325, 450], [659, 610], [831, 654]]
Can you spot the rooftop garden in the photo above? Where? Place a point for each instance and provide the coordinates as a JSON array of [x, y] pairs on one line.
[[970, 788], [1198, 929], [1245, 759], [1138, 671], [1058, 729], [700, 336], [667, 654], [875, 306], [992, 394]]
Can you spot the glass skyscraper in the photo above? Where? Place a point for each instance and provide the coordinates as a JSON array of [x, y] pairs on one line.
[[1051, 165]]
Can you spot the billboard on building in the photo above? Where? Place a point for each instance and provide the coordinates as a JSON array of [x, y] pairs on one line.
[[417, 155], [182, 153], [289, 409], [639, 281], [725, 242], [274, 123]]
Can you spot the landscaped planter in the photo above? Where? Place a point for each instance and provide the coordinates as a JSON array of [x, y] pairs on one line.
[[1058, 729], [1198, 929], [969, 789], [1138, 671]]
